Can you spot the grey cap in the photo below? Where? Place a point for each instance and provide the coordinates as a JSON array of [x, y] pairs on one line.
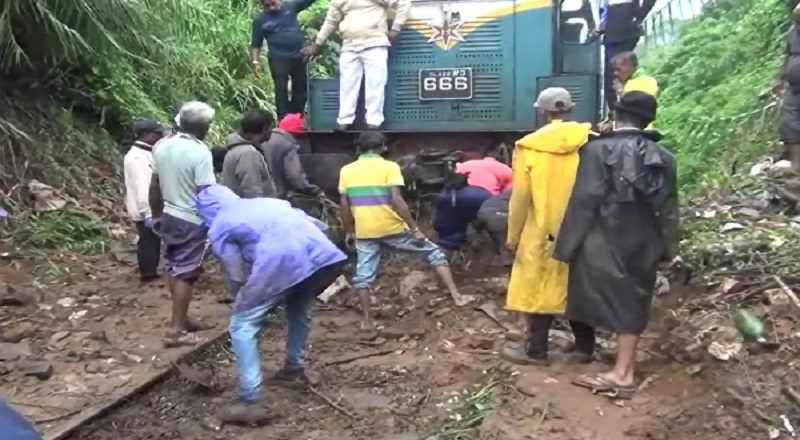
[[554, 99]]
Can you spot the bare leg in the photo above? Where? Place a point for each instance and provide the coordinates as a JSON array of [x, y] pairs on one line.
[[364, 296], [181, 296], [447, 278], [622, 373], [794, 156]]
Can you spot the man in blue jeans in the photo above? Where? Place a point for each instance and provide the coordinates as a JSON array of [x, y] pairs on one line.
[[271, 254]]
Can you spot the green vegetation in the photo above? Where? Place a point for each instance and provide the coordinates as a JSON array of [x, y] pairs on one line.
[[715, 105], [74, 74]]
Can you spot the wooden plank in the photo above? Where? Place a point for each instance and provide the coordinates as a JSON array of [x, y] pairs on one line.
[[96, 411]]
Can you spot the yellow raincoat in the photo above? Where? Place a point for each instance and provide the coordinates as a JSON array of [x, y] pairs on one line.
[[544, 164]]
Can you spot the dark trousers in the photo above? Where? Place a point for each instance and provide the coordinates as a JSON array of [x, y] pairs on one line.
[[539, 335], [281, 69], [612, 50], [148, 251]]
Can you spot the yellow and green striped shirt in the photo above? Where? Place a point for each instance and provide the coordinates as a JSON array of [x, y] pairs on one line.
[[367, 182]]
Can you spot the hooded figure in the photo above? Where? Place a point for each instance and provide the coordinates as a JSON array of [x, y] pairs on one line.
[[544, 167], [272, 254], [245, 169], [282, 152], [15, 426], [620, 226]]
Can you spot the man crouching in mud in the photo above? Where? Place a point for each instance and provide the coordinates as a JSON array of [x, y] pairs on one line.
[[271, 254], [621, 224]]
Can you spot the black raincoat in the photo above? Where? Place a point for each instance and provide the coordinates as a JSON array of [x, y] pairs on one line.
[[621, 221]]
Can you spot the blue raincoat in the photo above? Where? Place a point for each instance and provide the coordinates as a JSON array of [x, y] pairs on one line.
[[265, 245], [14, 426]]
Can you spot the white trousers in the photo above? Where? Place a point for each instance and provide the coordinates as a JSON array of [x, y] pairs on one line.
[[353, 66]]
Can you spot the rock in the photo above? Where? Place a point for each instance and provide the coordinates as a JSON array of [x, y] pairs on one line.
[[39, 370], [66, 302], [58, 340], [99, 335], [12, 352], [414, 280], [441, 312], [19, 295], [22, 330], [480, 343], [339, 285], [526, 386]]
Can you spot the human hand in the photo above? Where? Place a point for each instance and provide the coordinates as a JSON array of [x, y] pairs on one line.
[[155, 224], [349, 240], [311, 51], [256, 66], [418, 235], [618, 86], [393, 36], [777, 86], [512, 247], [605, 126]]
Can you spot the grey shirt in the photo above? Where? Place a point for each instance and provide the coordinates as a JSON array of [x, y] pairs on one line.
[[245, 170]]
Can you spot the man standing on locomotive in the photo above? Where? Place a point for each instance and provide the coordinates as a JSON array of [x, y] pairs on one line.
[[366, 38], [621, 28], [278, 25]]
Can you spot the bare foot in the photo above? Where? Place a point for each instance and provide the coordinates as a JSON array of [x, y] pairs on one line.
[[462, 300]]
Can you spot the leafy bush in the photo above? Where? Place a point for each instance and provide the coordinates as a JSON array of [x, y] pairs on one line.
[[715, 106]]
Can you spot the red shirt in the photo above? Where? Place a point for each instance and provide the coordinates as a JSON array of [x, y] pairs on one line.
[[487, 173]]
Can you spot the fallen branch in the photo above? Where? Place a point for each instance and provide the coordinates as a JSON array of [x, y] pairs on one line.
[[357, 356], [787, 291], [333, 404]]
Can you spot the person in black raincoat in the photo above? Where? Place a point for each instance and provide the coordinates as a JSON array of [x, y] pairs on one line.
[[621, 224]]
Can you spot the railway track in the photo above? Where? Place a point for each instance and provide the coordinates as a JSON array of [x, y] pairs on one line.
[[94, 415]]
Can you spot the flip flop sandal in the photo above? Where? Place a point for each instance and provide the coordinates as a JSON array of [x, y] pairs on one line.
[[182, 339], [600, 385]]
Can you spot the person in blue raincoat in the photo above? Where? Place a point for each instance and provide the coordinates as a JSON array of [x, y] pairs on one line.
[[271, 254], [14, 426]]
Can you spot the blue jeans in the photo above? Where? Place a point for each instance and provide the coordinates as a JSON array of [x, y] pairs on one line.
[[455, 211], [370, 250], [244, 328]]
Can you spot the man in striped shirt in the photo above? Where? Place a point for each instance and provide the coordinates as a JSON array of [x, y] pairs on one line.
[[375, 216]]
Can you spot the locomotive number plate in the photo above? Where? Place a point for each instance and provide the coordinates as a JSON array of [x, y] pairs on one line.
[[445, 84]]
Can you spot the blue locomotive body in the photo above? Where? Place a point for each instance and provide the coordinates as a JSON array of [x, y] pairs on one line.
[[478, 65]]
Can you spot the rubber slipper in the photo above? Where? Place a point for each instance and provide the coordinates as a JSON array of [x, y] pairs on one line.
[[600, 385]]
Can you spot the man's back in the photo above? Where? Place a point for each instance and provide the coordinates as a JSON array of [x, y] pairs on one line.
[[183, 164], [367, 182], [487, 173]]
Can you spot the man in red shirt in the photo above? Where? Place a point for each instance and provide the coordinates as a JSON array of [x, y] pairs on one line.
[[476, 181]]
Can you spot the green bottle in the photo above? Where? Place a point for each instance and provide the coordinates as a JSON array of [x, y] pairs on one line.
[[750, 327]]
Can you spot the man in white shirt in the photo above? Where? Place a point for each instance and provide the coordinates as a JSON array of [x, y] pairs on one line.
[[138, 169], [366, 37]]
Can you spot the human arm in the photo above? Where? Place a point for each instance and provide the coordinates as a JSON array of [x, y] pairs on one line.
[[395, 183], [667, 212], [298, 181], [645, 8], [155, 198], [345, 209], [588, 192], [519, 204], [505, 176], [141, 173], [333, 17], [402, 9], [204, 171], [301, 5], [256, 43], [224, 246]]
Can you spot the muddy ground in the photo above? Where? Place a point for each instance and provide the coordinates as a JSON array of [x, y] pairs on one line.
[[429, 370]]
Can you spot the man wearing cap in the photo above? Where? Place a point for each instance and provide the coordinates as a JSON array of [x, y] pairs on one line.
[[284, 160], [620, 226], [183, 166], [138, 170], [244, 168], [277, 24], [366, 38], [544, 167]]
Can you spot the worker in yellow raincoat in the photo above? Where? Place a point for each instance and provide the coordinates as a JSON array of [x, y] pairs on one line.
[[544, 167]]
